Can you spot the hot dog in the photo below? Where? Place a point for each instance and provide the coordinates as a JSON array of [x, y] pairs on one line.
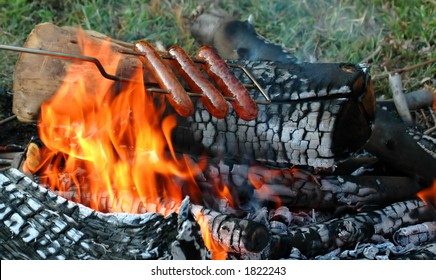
[[217, 69], [166, 79], [197, 82]]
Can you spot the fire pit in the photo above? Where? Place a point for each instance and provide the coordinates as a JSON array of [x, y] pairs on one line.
[[122, 174]]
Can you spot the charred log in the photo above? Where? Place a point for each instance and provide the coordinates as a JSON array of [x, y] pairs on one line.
[[297, 188], [402, 147], [234, 234], [318, 112], [426, 252], [389, 140], [347, 231], [416, 234], [37, 224]]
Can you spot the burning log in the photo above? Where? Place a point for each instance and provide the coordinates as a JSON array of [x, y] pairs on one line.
[[296, 188], [313, 110], [390, 139], [235, 235], [314, 106], [346, 232]]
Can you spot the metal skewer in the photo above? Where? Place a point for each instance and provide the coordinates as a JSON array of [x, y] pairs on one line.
[[106, 75]]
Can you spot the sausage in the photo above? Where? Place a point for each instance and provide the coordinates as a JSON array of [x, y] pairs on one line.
[[197, 82], [166, 78], [245, 107]]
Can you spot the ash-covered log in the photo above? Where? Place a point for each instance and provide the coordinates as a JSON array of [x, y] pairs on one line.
[[234, 234], [38, 224], [318, 112], [297, 188], [426, 252], [346, 232], [416, 234]]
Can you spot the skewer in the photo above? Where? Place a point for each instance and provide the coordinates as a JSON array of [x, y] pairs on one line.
[[106, 75]]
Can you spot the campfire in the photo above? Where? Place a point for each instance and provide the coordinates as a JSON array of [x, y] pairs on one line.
[[123, 171]]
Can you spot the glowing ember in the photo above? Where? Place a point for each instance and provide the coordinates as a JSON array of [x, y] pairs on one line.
[[428, 194], [111, 143], [218, 252]]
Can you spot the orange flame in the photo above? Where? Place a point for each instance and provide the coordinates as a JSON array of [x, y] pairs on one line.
[[218, 251], [224, 192], [111, 142], [428, 194], [261, 182]]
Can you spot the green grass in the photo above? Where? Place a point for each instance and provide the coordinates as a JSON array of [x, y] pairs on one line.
[[327, 30]]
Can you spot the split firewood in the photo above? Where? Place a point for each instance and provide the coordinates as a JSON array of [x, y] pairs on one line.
[[347, 231], [37, 77]]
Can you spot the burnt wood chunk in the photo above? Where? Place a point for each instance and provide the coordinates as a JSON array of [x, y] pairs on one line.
[[35, 223], [347, 232], [403, 147], [319, 112]]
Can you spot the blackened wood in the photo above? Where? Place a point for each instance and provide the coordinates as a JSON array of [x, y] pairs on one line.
[[234, 234], [37, 224], [416, 234], [318, 112], [346, 232], [426, 252], [403, 148], [297, 188]]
